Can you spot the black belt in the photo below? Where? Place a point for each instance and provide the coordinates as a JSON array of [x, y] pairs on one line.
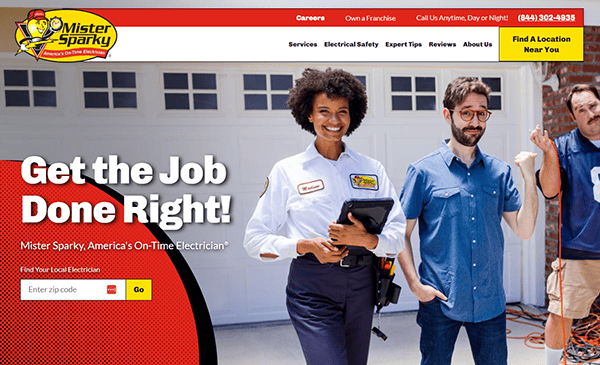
[[350, 261], [357, 260]]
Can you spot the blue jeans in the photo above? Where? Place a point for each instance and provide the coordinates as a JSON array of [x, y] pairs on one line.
[[439, 334]]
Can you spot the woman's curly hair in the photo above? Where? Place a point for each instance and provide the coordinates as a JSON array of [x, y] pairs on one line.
[[335, 84]]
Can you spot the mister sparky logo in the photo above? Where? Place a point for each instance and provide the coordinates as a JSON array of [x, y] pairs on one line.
[[65, 35]]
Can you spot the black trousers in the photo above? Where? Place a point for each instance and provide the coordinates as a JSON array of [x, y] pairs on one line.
[[331, 308]]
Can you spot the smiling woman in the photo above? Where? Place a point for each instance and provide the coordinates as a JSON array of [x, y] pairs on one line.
[[330, 286], [330, 119], [335, 84]]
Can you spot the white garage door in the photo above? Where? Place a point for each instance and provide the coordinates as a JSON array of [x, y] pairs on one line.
[[236, 112]]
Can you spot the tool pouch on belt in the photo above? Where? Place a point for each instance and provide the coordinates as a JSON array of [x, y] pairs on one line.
[[386, 291]]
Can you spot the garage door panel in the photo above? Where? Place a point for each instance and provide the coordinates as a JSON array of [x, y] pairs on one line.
[[266, 297], [406, 148], [260, 150]]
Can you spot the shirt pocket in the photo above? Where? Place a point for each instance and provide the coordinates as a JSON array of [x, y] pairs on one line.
[[491, 199], [447, 201], [304, 202], [315, 209]]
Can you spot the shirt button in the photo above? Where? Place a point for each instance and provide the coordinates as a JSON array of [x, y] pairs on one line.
[[474, 288], [474, 241], [468, 174], [472, 218], [474, 265], [472, 196]]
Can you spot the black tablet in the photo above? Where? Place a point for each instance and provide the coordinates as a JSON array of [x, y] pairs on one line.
[[371, 212]]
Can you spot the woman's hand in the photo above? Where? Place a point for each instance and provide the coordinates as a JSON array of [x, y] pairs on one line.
[[352, 234], [325, 250]]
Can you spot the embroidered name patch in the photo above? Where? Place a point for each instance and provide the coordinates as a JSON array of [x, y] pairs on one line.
[[369, 182], [311, 187]]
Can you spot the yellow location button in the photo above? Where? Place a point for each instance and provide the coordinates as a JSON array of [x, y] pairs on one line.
[[138, 289], [541, 44]]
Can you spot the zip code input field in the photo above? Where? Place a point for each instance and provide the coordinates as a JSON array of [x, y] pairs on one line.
[[86, 289]]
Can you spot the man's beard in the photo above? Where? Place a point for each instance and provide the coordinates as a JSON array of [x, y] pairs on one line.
[[464, 139]]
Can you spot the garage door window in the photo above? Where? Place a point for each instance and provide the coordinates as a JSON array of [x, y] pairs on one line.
[[109, 90], [30, 88], [413, 93], [495, 83], [190, 91], [266, 92]]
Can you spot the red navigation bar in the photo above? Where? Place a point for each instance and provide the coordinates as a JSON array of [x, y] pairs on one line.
[[342, 17]]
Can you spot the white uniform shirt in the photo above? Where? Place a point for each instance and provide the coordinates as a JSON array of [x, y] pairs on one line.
[[304, 194]]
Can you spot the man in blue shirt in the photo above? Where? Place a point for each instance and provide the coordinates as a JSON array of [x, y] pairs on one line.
[[459, 196], [573, 169]]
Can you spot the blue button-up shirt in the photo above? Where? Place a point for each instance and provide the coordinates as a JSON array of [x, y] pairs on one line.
[[460, 208]]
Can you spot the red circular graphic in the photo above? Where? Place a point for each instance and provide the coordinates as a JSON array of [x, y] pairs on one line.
[[163, 330]]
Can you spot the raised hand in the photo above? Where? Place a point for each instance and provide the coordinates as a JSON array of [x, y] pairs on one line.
[[526, 162], [541, 139]]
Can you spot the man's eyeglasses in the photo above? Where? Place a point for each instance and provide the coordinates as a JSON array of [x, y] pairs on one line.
[[467, 115]]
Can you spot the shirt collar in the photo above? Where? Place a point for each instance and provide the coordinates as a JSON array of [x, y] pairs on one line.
[[583, 144], [449, 156], [312, 153]]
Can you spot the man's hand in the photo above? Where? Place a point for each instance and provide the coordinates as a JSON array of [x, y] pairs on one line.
[[526, 162], [325, 250], [542, 140], [352, 234], [522, 221], [549, 172], [427, 293]]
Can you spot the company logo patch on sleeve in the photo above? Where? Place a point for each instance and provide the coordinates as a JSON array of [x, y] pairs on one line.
[[265, 189], [311, 187], [360, 181]]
